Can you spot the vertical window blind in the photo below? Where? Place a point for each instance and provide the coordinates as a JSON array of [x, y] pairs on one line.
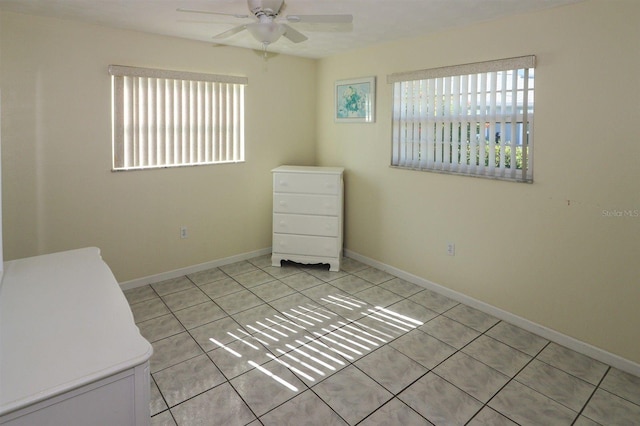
[[170, 118], [473, 119]]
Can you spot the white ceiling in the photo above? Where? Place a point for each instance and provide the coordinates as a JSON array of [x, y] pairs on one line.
[[374, 22]]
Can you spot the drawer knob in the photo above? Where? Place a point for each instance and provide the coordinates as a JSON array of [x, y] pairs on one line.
[[283, 183]]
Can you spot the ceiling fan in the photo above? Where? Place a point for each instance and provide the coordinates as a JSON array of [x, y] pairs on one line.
[[266, 29]]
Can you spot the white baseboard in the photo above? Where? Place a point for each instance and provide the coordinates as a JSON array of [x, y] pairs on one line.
[[549, 334], [139, 282]]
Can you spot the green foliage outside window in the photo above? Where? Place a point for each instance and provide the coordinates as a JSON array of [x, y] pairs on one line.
[[507, 156]]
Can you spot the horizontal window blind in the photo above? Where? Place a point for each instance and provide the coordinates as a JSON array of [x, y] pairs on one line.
[[169, 118], [473, 119]]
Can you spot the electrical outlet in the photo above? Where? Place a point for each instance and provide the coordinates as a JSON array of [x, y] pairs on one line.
[[183, 232], [451, 249]]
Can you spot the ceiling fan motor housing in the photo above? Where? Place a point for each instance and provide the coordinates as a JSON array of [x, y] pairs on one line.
[[269, 8]]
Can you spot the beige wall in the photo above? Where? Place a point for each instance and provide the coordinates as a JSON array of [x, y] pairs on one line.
[[58, 190], [542, 251]]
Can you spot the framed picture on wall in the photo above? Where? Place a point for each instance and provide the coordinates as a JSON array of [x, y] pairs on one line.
[[355, 100]]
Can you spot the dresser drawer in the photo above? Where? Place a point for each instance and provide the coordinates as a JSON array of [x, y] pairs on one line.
[[305, 204], [305, 245], [326, 226], [306, 183]]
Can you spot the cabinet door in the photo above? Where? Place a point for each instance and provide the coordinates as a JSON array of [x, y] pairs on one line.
[[106, 402], [306, 183], [326, 226]]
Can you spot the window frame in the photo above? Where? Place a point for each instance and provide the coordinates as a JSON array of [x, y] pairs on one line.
[[165, 118], [425, 118]]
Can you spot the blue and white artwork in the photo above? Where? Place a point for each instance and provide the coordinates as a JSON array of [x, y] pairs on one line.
[[355, 100]]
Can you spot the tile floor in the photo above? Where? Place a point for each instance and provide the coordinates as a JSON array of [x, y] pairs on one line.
[[248, 343]]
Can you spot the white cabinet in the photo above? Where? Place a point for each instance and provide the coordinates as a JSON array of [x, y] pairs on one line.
[[70, 352], [307, 215]]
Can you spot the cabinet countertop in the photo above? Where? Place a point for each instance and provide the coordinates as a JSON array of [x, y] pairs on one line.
[[308, 169], [64, 323]]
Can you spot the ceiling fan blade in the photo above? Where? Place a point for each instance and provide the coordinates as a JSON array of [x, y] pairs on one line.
[[235, 15], [231, 32], [321, 19], [293, 35]]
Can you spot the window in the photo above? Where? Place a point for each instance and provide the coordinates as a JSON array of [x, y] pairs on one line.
[[474, 119], [170, 118]]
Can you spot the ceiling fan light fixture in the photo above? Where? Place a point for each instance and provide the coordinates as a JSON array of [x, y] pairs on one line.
[[266, 32]]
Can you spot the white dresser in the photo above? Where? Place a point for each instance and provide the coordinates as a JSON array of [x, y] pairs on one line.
[[70, 353], [307, 215]]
